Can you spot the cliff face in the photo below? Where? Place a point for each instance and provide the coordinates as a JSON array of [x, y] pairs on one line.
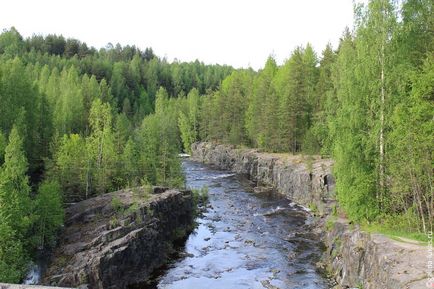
[[354, 257], [305, 180], [374, 261], [118, 239]]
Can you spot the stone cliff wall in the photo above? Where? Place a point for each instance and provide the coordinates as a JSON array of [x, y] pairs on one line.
[[356, 259], [119, 239], [373, 261], [305, 180]]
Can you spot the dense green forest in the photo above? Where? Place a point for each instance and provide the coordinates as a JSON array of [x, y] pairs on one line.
[[369, 105], [76, 121]]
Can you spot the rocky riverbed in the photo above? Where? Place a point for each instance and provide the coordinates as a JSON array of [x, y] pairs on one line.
[[355, 259], [245, 239]]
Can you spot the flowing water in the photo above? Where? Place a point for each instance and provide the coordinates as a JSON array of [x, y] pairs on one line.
[[244, 240]]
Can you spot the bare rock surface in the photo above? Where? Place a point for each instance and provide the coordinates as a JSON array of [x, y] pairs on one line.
[[306, 180], [373, 260], [355, 258], [118, 239]]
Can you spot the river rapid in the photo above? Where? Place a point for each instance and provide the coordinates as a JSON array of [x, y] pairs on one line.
[[244, 239]]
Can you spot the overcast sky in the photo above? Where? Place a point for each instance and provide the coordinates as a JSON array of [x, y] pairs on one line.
[[241, 33]]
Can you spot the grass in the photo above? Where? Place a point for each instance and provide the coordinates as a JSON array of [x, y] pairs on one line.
[[200, 196], [393, 227], [395, 233], [330, 223]]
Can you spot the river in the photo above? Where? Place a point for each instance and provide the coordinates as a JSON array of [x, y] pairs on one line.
[[244, 239]]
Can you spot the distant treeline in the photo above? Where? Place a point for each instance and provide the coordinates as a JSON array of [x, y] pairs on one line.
[[369, 105], [75, 122]]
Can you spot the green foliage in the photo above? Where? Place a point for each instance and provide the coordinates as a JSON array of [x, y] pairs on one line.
[[100, 146], [369, 105], [13, 259], [74, 117], [117, 204], [71, 167], [11, 42], [398, 226], [48, 213], [158, 144], [14, 210], [94, 121], [189, 122], [19, 105], [14, 186], [3, 143], [200, 196]]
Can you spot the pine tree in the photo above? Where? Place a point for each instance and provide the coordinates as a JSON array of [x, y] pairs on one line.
[[257, 124], [293, 90], [19, 103], [323, 105], [69, 110]]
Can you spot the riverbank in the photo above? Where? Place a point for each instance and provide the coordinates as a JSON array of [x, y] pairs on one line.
[[118, 239], [354, 258], [244, 239]]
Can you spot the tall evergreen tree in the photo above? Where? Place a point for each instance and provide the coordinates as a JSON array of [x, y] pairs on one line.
[[260, 105]]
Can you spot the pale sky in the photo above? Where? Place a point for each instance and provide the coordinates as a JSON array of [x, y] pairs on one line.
[[240, 33]]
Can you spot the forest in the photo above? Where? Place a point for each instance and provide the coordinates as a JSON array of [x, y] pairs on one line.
[[76, 122]]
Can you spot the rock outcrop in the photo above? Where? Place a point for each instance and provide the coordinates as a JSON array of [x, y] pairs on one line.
[[119, 239], [305, 180], [355, 258], [372, 261]]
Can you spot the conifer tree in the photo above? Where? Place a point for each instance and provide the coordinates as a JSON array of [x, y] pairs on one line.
[[257, 124]]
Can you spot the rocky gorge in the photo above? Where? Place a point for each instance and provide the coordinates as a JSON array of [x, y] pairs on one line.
[[118, 239], [245, 239], [354, 258]]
